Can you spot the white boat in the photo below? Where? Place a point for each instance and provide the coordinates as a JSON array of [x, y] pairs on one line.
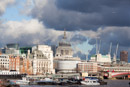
[[90, 82], [24, 81], [46, 81]]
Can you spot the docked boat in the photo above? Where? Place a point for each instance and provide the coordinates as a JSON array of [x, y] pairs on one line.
[[46, 81], [24, 81], [90, 81]]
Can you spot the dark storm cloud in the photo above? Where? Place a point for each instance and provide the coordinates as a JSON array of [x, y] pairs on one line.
[[77, 39], [83, 14], [89, 6], [112, 12], [80, 54], [116, 35], [120, 35]]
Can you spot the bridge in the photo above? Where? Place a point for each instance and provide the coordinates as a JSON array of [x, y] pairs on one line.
[[117, 71], [119, 74]]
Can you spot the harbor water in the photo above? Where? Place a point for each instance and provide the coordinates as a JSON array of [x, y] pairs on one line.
[[110, 83]]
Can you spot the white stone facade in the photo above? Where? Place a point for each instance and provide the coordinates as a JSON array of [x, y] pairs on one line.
[[101, 58], [46, 50], [64, 62], [43, 60], [4, 62]]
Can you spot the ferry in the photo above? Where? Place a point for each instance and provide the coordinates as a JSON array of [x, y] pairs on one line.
[[90, 81]]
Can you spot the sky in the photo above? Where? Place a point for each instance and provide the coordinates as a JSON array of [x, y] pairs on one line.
[[30, 22]]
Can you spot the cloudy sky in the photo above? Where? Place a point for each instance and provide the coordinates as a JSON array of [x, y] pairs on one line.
[[30, 22]]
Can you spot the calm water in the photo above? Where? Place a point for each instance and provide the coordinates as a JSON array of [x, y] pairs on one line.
[[111, 83]]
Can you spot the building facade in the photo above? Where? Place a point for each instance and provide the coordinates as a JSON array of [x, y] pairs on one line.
[[14, 62], [89, 67], [124, 56], [101, 58], [42, 60], [12, 48], [4, 62], [64, 62]]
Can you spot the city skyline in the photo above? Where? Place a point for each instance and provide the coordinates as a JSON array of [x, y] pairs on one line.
[[29, 22]]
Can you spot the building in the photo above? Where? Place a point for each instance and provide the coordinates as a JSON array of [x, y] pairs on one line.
[[42, 60], [101, 58], [64, 49], [12, 49], [25, 66], [14, 62], [89, 67], [66, 66], [64, 62], [24, 50], [124, 56], [13, 45], [4, 62]]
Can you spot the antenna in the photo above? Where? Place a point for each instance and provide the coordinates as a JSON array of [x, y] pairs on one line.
[[110, 48]]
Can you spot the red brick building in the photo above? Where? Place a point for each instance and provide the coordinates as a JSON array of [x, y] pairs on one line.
[[124, 56], [14, 62]]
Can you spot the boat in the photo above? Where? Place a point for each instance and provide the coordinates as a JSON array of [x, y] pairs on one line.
[[72, 81], [24, 81], [46, 81], [90, 81]]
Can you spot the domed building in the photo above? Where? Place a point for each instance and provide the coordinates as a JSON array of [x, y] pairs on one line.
[[64, 62], [64, 49]]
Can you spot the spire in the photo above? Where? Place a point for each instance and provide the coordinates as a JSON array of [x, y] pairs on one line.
[[64, 34]]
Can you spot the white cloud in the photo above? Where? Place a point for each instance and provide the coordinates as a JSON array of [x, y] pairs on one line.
[[4, 4], [27, 32], [33, 32]]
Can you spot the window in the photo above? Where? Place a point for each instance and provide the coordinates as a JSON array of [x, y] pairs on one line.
[[62, 52], [66, 52]]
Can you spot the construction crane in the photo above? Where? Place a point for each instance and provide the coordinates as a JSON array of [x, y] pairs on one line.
[[115, 54]]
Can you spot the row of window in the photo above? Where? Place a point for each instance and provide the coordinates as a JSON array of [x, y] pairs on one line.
[[4, 63], [39, 70], [4, 60], [117, 69]]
